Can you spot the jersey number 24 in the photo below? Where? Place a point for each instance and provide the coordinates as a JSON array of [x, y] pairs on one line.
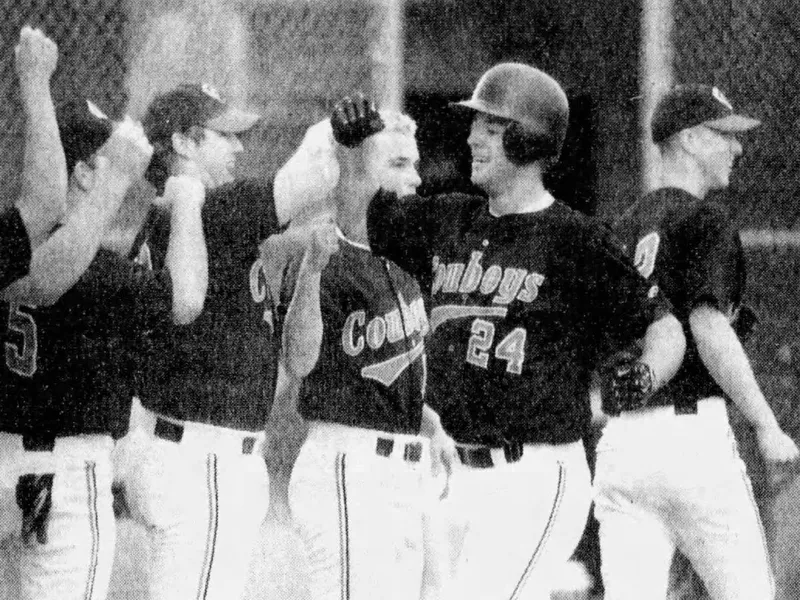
[[646, 251], [21, 353], [510, 349]]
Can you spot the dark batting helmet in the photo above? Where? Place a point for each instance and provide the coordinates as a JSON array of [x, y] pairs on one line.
[[534, 103]]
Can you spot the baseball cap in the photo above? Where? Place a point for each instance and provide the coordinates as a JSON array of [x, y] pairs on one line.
[[193, 105], [687, 105], [83, 128]]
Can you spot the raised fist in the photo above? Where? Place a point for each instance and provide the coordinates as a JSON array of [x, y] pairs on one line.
[[128, 150], [35, 57], [323, 243], [626, 384], [354, 120]]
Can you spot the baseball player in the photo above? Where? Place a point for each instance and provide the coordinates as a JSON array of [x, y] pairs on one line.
[[526, 296], [41, 203], [65, 384], [669, 475], [201, 486], [358, 487]]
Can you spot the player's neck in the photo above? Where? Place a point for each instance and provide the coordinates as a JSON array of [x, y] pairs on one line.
[[353, 226], [524, 193], [684, 176]]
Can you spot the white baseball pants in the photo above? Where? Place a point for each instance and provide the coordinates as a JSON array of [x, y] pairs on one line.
[[202, 499], [665, 481], [68, 555], [357, 499], [521, 521]]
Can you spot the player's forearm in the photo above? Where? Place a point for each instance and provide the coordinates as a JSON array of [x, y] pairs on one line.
[[664, 346], [58, 263], [722, 354], [44, 171], [303, 328], [187, 257]]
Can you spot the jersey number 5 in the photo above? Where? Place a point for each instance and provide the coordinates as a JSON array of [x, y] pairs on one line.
[[21, 354], [511, 348], [646, 251]]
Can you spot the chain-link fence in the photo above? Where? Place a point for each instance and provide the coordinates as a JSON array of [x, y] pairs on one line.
[[751, 50], [287, 59]]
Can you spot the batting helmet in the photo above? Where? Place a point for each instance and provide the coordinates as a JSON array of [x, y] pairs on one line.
[[534, 103]]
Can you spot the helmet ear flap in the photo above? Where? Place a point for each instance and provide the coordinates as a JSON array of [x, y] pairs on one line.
[[524, 147]]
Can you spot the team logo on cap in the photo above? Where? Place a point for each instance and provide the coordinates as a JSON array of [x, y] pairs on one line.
[[209, 90], [95, 110], [720, 97]]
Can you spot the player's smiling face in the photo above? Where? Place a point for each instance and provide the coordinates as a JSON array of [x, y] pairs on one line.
[[216, 156], [490, 165], [716, 154], [397, 156]]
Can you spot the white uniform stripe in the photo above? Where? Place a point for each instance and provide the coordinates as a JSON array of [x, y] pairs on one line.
[[344, 541], [94, 526], [213, 522], [548, 528]]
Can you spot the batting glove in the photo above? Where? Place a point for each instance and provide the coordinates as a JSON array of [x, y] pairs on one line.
[[626, 384], [354, 120]]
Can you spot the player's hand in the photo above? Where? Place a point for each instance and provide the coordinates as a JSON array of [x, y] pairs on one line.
[[128, 149], [35, 58], [354, 120], [780, 455], [323, 243], [443, 458], [184, 190], [626, 383], [776, 447]]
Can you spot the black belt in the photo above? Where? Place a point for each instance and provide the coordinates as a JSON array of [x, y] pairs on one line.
[[173, 432], [481, 457], [412, 452], [38, 443]]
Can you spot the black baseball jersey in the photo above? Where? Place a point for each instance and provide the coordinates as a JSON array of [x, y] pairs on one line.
[[65, 368], [692, 249], [522, 308], [222, 368], [15, 257], [371, 369]]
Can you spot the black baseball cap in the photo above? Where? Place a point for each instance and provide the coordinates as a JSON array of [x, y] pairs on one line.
[[687, 105], [83, 128], [193, 105]]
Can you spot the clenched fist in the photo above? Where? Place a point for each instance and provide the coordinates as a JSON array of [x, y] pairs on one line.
[[354, 120], [128, 150], [35, 58]]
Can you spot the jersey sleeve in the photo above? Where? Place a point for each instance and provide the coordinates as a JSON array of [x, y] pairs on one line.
[[132, 296], [622, 302], [714, 269], [402, 230], [15, 258]]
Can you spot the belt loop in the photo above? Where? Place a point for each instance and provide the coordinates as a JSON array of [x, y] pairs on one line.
[[384, 446], [167, 430], [38, 443], [248, 444]]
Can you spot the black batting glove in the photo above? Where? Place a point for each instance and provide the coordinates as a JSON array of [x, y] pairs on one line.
[[626, 384], [354, 120]]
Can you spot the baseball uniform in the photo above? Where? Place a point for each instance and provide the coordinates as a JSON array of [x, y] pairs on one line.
[[670, 476], [66, 397], [15, 258], [357, 487], [201, 486], [522, 308]]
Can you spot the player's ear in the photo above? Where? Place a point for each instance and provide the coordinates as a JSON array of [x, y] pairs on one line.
[[690, 139]]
